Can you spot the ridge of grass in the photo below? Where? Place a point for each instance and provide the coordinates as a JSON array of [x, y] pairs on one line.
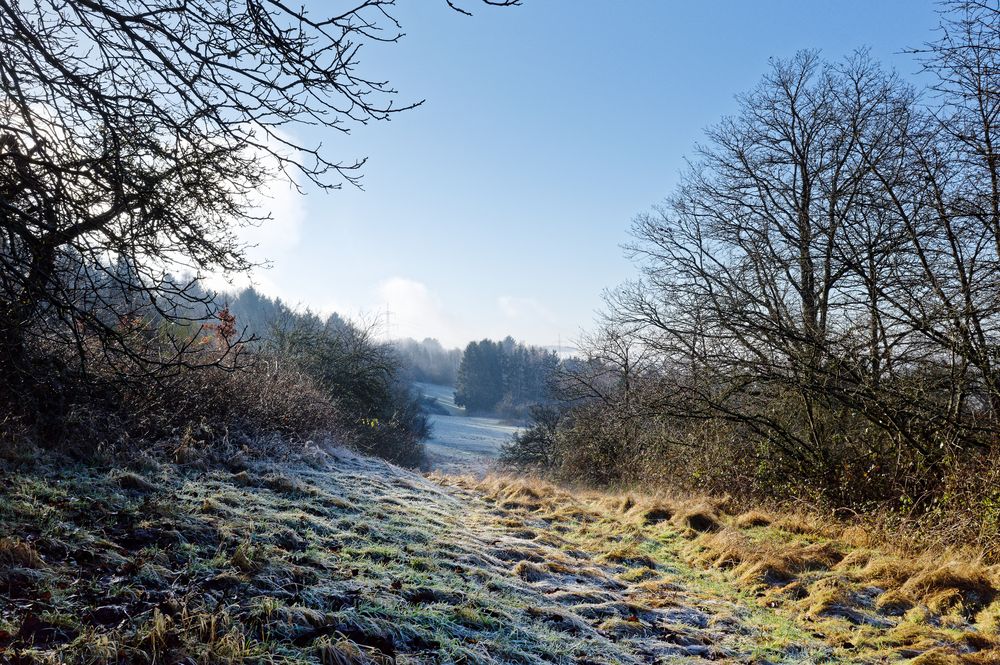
[[812, 580]]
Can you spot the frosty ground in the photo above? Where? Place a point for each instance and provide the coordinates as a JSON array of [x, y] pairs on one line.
[[460, 443], [336, 558]]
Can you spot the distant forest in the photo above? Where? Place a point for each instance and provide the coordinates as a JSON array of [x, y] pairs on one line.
[[505, 377], [427, 361]]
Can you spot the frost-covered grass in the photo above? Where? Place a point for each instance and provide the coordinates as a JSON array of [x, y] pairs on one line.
[[344, 559]]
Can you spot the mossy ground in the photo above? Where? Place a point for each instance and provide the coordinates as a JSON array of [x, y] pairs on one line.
[[349, 560]]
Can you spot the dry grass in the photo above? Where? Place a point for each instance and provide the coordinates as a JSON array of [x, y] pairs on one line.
[[826, 595], [341, 651], [531, 572], [988, 619], [132, 481], [937, 657], [871, 598], [888, 571], [698, 517], [858, 536], [765, 562], [967, 586], [800, 524], [615, 504], [630, 555], [19, 554], [650, 511], [361, 562], [351, 562], [753, 518]]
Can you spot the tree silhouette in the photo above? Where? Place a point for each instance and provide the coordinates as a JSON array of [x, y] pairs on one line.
[[134, 135]]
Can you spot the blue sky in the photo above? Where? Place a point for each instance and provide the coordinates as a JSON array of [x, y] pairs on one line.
[[499, 206]]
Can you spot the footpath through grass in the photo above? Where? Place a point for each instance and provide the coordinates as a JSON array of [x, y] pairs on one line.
[[345, 559]]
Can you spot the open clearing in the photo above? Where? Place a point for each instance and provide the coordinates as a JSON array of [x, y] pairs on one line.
[[346, 559], [460, 443]]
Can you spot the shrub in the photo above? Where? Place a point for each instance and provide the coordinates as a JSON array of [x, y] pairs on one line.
[[337, 384]]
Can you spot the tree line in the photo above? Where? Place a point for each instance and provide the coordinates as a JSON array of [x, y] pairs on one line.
[[504, 377], [427, 361]]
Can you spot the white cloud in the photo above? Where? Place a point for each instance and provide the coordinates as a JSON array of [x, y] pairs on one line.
[[281, 234], [272, 241], [524, 308], [414, 311]]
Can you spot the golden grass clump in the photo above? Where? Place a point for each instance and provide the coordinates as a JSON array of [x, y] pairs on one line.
[[566, 512], [753, 518], [654, 511], [888, 571], [980, 642], [618, 504], [521, 491], [988, 619], [766, 562], [559, 567], [17, 553], [638, 574], [857, 559], [345, 652], [660, 592], [967, 585], [781, 565], [803, 525], [510, 522], [629, 555], [619, 627], [699, 517], [526, 493], [531, 572], [985, 657], [826, 594], [914, 634], [894, 601], [857, 536], [659, 586], [936, 657]]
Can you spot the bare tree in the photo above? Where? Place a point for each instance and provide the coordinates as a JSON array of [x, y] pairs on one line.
[[819, 306], [752, 285], [949, 201], [827, 277], [133, 137]]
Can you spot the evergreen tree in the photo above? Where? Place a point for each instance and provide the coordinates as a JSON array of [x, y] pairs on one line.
[[503, 377]]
